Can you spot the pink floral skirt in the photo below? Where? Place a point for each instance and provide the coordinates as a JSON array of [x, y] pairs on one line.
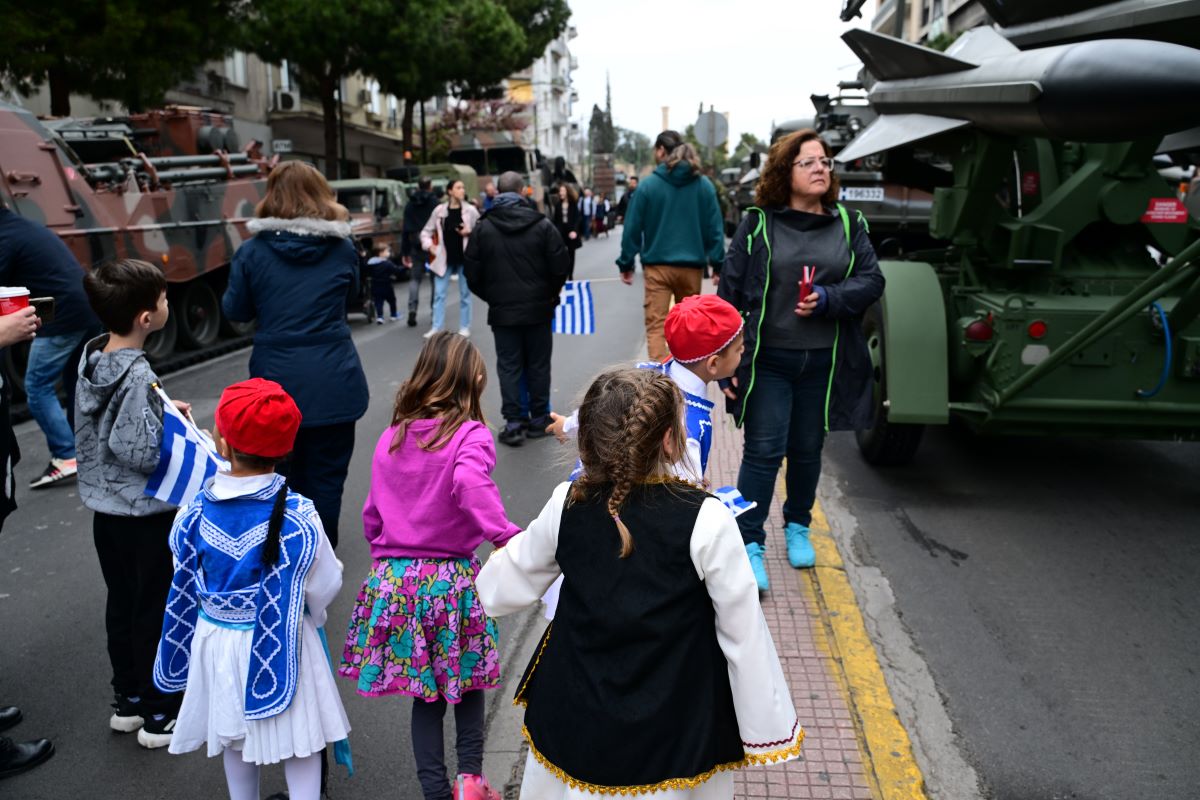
[[418, 629]]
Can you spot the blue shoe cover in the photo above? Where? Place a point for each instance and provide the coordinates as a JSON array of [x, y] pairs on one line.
[[799, 548], [755, 552]]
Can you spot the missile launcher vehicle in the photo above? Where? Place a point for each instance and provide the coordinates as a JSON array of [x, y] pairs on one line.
[[1063, 295]]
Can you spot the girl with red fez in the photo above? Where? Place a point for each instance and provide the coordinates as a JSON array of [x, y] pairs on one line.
[[254, 577], [658, 674], [418, 628]]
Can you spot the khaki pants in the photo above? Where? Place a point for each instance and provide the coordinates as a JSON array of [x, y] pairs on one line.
[[664, 284]]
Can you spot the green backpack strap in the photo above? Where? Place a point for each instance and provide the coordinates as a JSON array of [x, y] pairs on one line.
[[758, 228], [849, 241]]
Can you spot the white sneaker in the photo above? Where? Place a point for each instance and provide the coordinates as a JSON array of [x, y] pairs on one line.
[[429, 333], [59, 470], [464, 331]]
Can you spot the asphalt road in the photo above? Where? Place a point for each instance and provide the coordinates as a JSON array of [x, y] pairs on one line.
[[53, 662], [1050, 585]]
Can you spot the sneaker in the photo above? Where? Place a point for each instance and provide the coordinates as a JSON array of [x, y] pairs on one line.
[[431, 332], [59, 470], [156, 732], [464, 332], [474, 787], [379, 320], [755, 551], [396, 318], [127, 715], [17, 757], [536, 429], [512, 435], [412, 319], [799, 548]]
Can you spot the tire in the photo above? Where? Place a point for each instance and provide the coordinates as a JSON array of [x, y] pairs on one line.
[[198, 313], [238, 329], [884, 444], [161, 344]]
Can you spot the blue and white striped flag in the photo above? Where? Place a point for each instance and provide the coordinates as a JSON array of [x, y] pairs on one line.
[[187, 457], [732, 498], [575, 314]]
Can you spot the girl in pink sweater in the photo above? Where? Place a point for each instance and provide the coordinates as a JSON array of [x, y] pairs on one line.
[[418, 628]]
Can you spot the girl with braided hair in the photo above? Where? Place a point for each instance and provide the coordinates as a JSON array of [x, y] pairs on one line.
[[658, 673]]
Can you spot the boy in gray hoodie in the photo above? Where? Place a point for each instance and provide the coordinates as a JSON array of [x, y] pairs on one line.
[[118, 433]]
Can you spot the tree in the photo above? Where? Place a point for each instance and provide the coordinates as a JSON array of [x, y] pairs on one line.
[[131, 51], [749, 143], [325, 41], [634, 148], [717, 157]]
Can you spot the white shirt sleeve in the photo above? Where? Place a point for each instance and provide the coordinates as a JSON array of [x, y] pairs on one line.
[[519, 573], [324, 577], [571, 425], [765, 713]]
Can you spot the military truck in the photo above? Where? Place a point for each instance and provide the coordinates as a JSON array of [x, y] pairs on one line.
[[185, 211], [490, 153], [1063, 295]]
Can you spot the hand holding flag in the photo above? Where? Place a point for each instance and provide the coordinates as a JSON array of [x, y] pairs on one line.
[[187, 455]]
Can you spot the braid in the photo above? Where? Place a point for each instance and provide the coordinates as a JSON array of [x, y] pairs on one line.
[[270, 551]]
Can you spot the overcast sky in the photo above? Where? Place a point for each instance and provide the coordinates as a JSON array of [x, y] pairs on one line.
[[757, 59]]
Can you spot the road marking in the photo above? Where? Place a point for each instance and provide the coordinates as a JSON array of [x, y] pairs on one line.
[[887, 751]]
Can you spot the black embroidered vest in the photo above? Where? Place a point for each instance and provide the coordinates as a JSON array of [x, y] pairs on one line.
[[629, 687]]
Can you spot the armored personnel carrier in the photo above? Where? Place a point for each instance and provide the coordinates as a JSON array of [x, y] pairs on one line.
[[97, 185], [1062, 298]]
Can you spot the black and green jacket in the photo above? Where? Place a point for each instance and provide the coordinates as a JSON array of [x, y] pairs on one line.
[[745, 280]]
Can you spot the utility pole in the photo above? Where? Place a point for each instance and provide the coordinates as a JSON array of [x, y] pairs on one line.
[[666, 111]]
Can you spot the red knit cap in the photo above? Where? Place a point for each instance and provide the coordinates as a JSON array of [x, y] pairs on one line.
[[258, 418], [701, 326]]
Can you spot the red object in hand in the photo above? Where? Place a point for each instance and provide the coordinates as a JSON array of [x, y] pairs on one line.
[[806, 282]]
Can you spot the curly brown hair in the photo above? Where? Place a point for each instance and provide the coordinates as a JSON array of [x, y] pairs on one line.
[[775, 184], [624, 418]]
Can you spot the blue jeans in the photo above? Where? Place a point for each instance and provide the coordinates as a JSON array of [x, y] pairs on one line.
[[441, 285], [785, 415], [47, 357]]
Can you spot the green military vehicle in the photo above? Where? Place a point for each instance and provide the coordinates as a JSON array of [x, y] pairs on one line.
[[1063, 295]]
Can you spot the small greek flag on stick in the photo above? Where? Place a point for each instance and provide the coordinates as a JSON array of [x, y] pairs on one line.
[[575, 314], [186, 459], [732, 498]]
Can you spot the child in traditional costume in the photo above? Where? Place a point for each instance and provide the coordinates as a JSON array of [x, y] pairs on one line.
[[254, 576], [659, 673], [418, 629]]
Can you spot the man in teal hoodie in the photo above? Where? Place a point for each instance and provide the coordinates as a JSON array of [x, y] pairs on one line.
[[674, 222]]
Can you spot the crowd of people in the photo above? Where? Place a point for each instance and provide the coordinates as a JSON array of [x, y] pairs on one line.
[[217, 606]]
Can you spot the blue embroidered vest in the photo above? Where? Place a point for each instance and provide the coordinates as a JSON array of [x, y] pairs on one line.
[[698, 413], [219, 575]]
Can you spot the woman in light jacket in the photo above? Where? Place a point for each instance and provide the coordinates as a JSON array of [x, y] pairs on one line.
[[293, 278], [445, 239]]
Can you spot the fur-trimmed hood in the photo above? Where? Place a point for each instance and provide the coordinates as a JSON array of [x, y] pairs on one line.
[[302, 240], [301, 226]]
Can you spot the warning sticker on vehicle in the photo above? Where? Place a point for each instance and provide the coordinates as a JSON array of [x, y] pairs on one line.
[[1165, 209], [862, 194]]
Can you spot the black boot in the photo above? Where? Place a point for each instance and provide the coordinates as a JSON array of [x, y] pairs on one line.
[[412, 319], [17, 757], [9, 716]]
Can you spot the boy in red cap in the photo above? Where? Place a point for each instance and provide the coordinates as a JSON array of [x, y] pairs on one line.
[[704, 334], [254, 577]]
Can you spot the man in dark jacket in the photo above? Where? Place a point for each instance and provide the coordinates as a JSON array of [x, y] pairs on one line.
[[31, 255], [626, 199], [416, 214], [516, 262]]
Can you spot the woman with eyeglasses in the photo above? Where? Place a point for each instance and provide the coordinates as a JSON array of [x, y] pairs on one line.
[[802, 271]]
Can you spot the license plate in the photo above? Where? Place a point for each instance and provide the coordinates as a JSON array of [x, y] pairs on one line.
[[862, 194]]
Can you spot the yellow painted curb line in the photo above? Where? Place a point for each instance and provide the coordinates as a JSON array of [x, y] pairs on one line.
[[887, 752]]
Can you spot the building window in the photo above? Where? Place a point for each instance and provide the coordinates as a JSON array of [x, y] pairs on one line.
[[235, 68]]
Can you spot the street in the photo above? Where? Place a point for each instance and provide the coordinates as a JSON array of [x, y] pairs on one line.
[[53, 663]]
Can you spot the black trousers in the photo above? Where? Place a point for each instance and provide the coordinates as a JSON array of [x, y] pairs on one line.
[[524, 349], [317, 469], [429, 749], [136, 563]]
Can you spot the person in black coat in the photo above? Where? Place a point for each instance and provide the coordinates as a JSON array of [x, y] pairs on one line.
[[293, 277], [517, 263], [416, 213], [565, 216]]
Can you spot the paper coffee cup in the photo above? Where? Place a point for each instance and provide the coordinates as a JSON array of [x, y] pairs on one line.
[[13, 299]]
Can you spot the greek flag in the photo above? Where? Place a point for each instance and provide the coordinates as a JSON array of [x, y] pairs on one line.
[[187, 457], [575, 314], [732, 498]]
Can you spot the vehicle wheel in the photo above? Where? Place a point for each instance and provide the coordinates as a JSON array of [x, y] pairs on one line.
[[885, 444], [238, 329], [161, 344], [199, 315], [16, 358]]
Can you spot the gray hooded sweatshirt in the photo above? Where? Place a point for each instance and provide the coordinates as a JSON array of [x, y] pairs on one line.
[[118, 431]]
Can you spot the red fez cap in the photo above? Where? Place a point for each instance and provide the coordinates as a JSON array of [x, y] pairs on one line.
[[258, 418], [701, 326]]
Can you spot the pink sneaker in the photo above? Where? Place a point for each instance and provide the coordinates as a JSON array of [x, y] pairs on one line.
[[474, 787]]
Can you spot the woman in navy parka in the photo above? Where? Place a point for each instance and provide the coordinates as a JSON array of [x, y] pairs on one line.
[[293, 278]]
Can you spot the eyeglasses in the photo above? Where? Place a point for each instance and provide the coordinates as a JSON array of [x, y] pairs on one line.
[[811, 164]]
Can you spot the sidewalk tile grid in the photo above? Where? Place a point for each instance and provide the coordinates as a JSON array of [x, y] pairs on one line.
[[831, 766]]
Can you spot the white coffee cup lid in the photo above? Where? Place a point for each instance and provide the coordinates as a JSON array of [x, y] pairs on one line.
[[13, 291]]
